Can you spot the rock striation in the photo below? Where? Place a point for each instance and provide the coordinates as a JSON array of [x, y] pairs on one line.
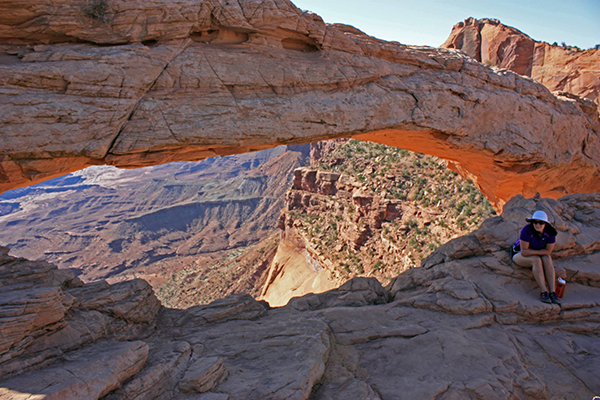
[[312, 189], [336, 204], [111, 82], [468, 324], [559, 68]]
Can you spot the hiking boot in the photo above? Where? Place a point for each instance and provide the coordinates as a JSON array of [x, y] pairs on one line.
[[545, 297], [554, 298]]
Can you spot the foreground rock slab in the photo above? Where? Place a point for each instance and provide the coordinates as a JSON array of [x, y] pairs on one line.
[[467, 324], [86, 374]]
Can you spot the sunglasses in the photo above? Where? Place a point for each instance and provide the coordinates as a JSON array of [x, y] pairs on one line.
[[539, 223]]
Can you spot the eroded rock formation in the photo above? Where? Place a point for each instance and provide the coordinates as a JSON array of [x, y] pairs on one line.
[[365, 209], [468, 324], [151, 82], [559, 68]]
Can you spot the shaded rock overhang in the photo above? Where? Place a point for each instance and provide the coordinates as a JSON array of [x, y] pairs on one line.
[[137, 84]]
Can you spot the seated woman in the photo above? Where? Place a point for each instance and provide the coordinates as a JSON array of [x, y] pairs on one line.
[[533, 250]]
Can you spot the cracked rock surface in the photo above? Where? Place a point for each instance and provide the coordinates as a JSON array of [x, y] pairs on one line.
[[467, 324]]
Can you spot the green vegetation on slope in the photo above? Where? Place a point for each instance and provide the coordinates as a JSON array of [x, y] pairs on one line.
[[436, 204]]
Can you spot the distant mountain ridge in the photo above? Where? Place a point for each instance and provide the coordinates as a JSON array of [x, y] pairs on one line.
[[116, 224]]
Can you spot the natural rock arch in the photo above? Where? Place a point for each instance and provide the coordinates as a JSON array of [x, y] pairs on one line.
[[136, 85]]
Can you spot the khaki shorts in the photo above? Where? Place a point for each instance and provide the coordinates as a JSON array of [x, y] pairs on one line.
[[527, 262]]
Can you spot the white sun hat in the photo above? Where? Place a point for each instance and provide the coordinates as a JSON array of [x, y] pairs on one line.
[[539, 215]]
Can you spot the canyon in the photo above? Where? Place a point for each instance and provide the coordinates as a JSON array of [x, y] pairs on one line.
[[366, 209], [197, 232], [466, 324], [158, 223]]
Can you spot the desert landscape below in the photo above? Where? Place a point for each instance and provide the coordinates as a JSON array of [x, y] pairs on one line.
[[308, 212]]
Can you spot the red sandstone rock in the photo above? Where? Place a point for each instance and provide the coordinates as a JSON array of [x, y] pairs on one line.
[[202, 79], [566, 69]]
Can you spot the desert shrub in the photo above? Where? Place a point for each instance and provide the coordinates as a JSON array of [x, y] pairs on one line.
[[377, 265]]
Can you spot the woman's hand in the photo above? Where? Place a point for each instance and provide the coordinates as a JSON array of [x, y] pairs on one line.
[[526, 251]]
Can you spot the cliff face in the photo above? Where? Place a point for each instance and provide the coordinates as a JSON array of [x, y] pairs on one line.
[[467, 324], [365, 209], [138, 84], [565, 69]]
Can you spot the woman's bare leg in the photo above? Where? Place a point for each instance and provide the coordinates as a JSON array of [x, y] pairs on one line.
[[535, 262], [549, 272]]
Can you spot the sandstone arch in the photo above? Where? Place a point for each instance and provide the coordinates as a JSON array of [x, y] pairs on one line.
[[135, 85]]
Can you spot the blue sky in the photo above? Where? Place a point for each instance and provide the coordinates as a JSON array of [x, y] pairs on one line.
[[429, 22]]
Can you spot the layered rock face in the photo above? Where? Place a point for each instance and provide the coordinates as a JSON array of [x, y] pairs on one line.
[[559, 68], [299, 266], [151, 82], [467, 325], [365, 209]]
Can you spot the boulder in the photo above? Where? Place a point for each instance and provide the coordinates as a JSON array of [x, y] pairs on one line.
[[46, 312], [130, 300], [239, 306], [164, 367], [281, 355], [203, 375], [354, 293]]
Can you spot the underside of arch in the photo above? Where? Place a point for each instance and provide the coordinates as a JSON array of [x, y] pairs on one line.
[[224, 79]]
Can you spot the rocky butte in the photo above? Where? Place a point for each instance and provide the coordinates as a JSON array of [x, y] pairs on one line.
[[559, 68], [139, 84]]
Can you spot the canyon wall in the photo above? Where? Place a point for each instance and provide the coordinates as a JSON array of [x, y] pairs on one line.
[[559, 68], [140, 84], [366, 209]]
